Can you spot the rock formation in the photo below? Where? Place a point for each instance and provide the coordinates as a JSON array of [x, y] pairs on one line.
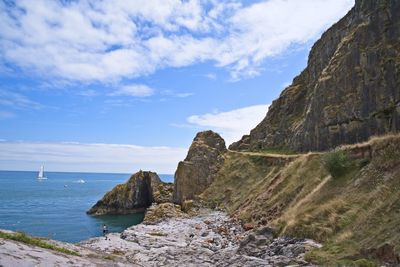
[[139, 192], [349, 91], [211, 239], [197, 171], [161, 212]]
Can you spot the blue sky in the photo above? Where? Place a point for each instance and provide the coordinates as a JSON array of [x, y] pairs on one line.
[[117, 86]]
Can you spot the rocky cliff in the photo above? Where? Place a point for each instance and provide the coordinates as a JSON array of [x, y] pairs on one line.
[[349, 91], [198, 170], [139, 192]]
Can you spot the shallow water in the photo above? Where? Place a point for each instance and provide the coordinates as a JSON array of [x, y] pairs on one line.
[[56, 207]]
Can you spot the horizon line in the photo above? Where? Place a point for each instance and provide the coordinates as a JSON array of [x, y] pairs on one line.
[[2, 170]]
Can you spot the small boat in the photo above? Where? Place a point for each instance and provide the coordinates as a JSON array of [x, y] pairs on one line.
[[81, 181], [41, 175]]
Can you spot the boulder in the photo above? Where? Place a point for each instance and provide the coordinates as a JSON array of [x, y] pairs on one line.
[[248, 226], [139, 192], [160, 212], [198, 170], [187, 206]]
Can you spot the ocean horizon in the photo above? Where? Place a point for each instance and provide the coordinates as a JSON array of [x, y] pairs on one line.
[[56, 207]]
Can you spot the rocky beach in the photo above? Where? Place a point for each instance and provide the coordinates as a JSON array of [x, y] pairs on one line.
[[209, 239]]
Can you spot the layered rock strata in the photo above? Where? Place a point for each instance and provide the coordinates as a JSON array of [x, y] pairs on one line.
[[197, 171], [349, 91], [139, 192]]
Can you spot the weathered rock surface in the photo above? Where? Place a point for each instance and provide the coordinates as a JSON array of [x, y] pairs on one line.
[[349, 91], [281, 251], [139, 192], [162, 192], [13, 253], [161, 212], [197, 171], [211, 239]]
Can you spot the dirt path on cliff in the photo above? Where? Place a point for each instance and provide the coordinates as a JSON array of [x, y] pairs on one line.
[[272, 155]]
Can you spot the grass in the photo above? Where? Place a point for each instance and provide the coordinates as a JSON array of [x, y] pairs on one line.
[[236, 181], [36, 241], [336, 254], [355, 211]]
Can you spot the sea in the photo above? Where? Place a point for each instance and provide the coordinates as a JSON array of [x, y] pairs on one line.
[[56, 208]]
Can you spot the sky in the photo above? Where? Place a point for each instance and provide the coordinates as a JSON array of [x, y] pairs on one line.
[[118, 86]]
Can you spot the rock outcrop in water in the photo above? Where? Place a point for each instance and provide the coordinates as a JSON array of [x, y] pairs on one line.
[[197, 171], [349, 91], [138, 193]]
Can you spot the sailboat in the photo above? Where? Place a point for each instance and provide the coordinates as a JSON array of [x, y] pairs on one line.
[[41, 174]]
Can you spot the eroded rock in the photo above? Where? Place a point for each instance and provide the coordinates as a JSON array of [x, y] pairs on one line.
[[349, 91], [198, 170], [139, 192], [162, 212]]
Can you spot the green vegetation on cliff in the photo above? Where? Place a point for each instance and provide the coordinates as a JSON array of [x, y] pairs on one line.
[[355, 215], [337, 163]]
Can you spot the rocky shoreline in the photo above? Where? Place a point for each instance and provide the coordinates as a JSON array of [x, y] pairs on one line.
[[209, 239]]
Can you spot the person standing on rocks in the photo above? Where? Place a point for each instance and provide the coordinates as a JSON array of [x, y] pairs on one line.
[[105, 230]]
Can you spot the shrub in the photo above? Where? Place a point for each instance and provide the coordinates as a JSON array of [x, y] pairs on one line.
[[336, 163]]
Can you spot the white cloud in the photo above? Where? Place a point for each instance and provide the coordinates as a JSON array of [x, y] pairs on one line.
[[136, 90], [269, 28], [175, 94], [184, 95], [72, 156], [211, 76], [233, 124], [6, 115], [109, 40], [88, 93], [17, 101]]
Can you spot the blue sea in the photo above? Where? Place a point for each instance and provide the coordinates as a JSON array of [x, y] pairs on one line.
[[56, 208]]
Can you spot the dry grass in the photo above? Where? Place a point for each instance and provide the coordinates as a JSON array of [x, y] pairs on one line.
[[238, 181], [378, 140], [351, 213], [290, 214]]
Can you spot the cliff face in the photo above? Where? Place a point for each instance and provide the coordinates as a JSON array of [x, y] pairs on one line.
[[198, 170], [349, 91], [139, 192]]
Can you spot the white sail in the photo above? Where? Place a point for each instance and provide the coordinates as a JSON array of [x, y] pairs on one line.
[[41, 173]]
